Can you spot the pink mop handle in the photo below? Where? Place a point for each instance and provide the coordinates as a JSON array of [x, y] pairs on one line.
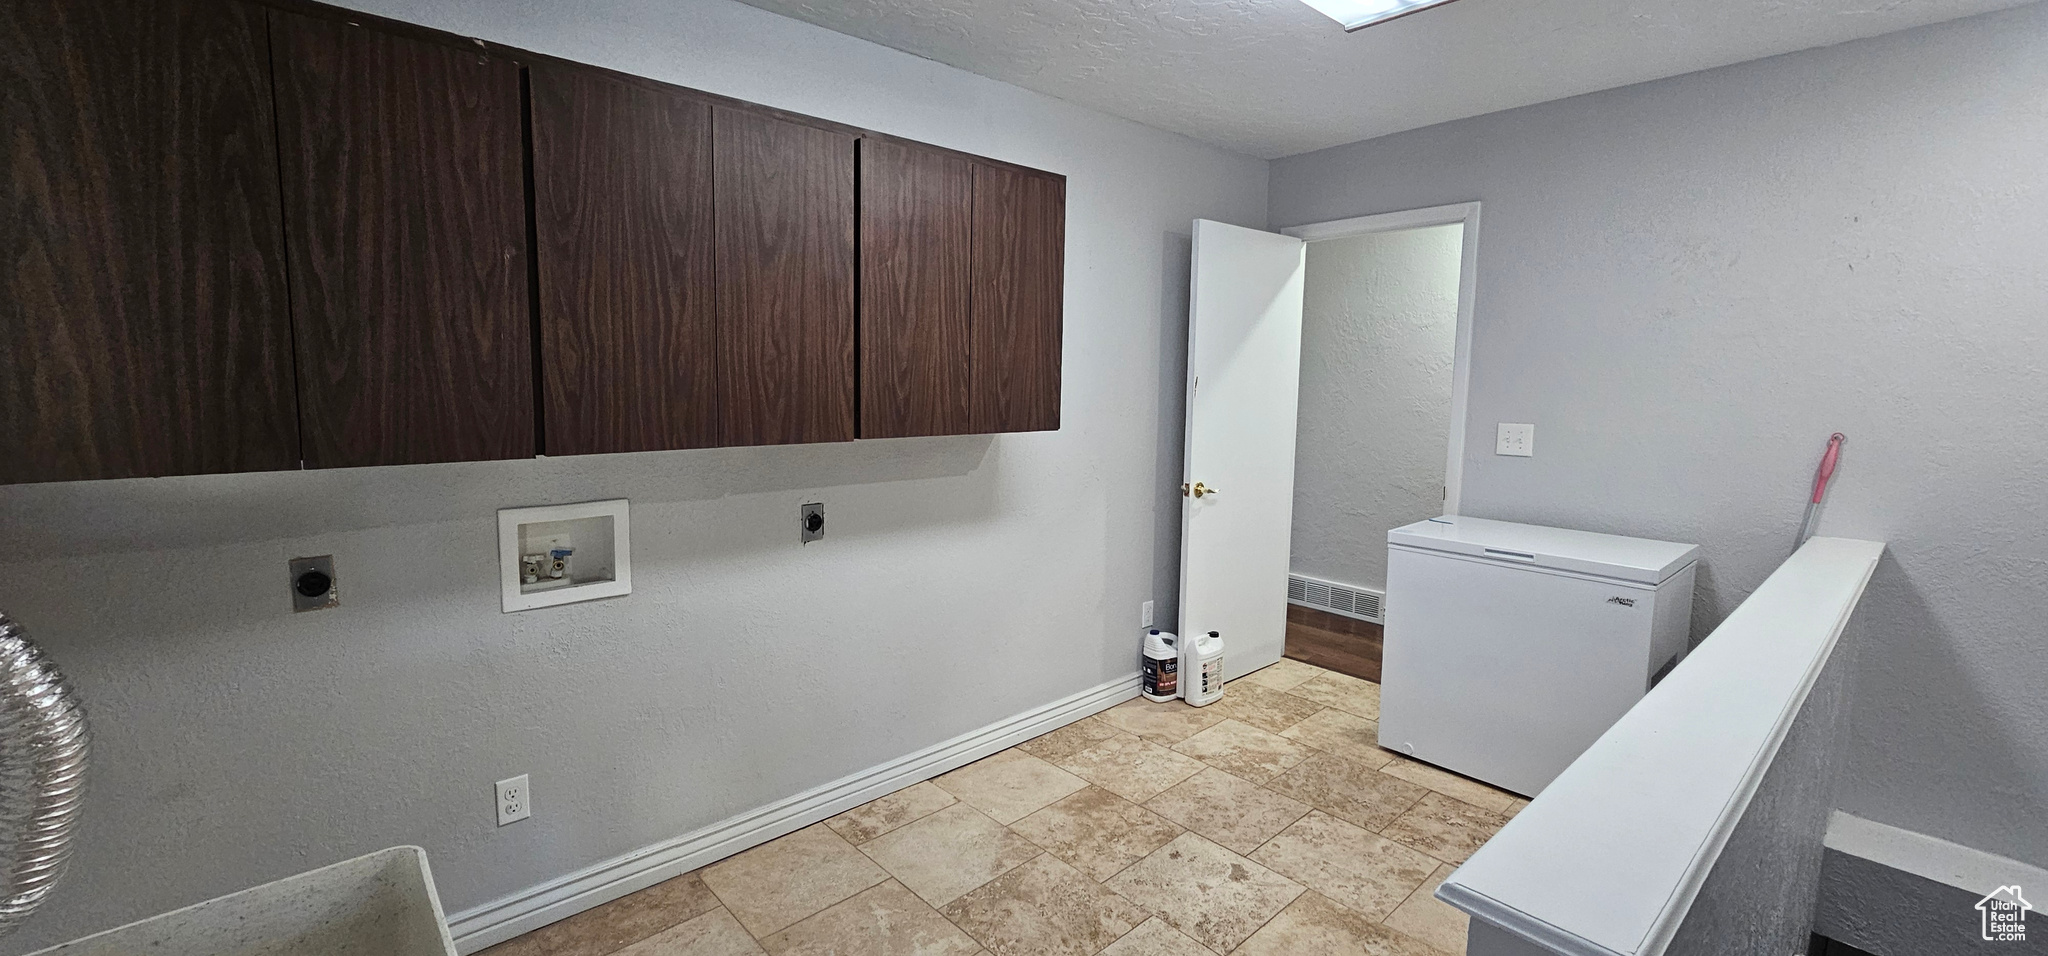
[[1827, 467]]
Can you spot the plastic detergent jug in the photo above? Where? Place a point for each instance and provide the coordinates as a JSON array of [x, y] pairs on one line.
[[1201, 668], [1162, 666]]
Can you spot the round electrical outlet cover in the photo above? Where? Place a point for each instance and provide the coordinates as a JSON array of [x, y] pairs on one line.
[[313, 584]]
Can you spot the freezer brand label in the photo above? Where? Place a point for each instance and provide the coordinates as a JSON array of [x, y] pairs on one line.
[[1624, 602]]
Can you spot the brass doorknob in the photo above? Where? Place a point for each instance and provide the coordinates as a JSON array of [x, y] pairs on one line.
[[1202, 489]]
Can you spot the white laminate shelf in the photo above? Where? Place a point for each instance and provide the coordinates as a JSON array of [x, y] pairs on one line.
[[1609, 858]]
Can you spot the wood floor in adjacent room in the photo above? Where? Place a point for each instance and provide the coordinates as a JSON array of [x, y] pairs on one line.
[[1334, 642], [1266, 824]]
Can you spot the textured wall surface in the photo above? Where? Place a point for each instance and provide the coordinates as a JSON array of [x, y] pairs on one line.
[[1907, 894], [964, 580], [1275, 78], [1688, 284], [1890, 912], [1379, 331], [1758, 898]]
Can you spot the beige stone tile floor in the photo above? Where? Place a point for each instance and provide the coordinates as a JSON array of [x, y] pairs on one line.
[[1267, 824]]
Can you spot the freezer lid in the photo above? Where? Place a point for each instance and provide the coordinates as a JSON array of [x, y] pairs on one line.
[[1629, 559]]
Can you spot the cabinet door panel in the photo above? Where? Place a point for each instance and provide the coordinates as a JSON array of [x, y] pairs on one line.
[[1019, 251], [405, 217], [143, 298], [916, 216], [785, 279], [623, 214]]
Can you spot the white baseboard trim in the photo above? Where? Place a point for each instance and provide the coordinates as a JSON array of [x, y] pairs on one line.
[[1930, 858], [1888, 890], [532, 908]]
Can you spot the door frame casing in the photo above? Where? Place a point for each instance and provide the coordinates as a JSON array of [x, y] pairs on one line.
[[1466, 213]]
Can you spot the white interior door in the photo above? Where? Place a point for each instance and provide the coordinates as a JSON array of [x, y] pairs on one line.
[[1244, 380]]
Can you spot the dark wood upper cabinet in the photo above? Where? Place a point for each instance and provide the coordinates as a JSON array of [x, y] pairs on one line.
[[142, 301], [916, 223], [785, 199], [403, 165], [1018, 289], [251, 235], [623, 221]]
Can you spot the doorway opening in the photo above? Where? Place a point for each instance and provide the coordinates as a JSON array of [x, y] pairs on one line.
[[1386, 330], [1238, 497]]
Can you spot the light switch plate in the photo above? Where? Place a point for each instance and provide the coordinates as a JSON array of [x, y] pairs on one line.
[[1518, 440]]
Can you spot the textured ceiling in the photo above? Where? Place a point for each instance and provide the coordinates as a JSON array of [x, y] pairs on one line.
[[1273, 78]]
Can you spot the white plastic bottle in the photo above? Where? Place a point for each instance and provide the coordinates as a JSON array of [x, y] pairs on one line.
[[1162, 666], [1201, 668]]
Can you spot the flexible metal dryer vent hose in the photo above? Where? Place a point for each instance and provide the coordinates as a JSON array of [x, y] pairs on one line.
[[43, 744]]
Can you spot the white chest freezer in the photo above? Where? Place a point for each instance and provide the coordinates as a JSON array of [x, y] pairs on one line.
[[1510, 648]]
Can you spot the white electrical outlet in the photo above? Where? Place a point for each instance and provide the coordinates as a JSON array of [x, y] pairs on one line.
[[1145, 614], [1516, 440], [515, 800]]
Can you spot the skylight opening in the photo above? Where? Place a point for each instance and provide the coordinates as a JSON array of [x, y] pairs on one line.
[[1359, 14]]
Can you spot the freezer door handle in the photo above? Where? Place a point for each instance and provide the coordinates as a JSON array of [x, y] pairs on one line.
[[1517, 555]]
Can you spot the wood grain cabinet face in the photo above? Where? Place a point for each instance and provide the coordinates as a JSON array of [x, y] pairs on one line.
[[405, 220], [1018, 288], [916, 220], [243, 238], [623, 222], [785, 200], [142, 300]]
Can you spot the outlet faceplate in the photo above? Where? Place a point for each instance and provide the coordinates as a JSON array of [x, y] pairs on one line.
[[515, 800], [811, 522], [314, 587], [1145, 614]]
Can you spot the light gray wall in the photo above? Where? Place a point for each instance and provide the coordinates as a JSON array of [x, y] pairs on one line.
[[1688, 284], [1758, 895], [964, 580], [1379, 331]]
